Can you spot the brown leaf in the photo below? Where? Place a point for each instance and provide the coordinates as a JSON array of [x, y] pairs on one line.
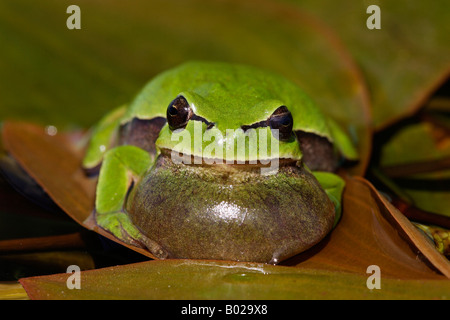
[[55, 164], [373, 232]]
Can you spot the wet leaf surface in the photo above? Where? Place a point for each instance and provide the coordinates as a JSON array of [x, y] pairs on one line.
[[197, 279]]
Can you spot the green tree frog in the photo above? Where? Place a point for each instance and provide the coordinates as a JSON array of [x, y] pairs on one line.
[[213, 160]]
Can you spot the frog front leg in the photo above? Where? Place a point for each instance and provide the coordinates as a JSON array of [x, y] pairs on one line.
[[122, 167], [102, 139]]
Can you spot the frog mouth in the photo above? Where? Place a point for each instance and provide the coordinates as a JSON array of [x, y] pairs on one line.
[[263, 165]]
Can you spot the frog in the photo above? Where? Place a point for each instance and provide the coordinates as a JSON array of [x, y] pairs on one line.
[[181, 175]]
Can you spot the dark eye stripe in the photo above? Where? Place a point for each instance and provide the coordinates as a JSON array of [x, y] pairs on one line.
[[281, 120], [198, 118], [260, 124]]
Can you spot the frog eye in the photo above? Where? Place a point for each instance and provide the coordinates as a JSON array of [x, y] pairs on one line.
[[281, 120], [178, 113]]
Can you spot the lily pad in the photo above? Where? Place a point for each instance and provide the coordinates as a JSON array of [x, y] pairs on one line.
[[197, 279]]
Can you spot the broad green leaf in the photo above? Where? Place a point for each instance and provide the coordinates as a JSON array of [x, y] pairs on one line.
[[197, 279], [405, 61], [415, 143]]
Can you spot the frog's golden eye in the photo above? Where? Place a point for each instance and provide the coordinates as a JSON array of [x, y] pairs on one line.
[[178, 113], [281, 120]]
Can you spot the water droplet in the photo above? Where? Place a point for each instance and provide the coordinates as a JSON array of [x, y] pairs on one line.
[[51, 130]]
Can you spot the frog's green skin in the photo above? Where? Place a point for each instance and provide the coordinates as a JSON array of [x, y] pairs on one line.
[[217, 210]]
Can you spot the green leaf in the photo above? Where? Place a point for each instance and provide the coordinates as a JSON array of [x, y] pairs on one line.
[[416, 160], [197, 279], [405, 61]]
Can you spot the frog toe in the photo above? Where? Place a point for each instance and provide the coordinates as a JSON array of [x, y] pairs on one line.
[[120, 226]]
